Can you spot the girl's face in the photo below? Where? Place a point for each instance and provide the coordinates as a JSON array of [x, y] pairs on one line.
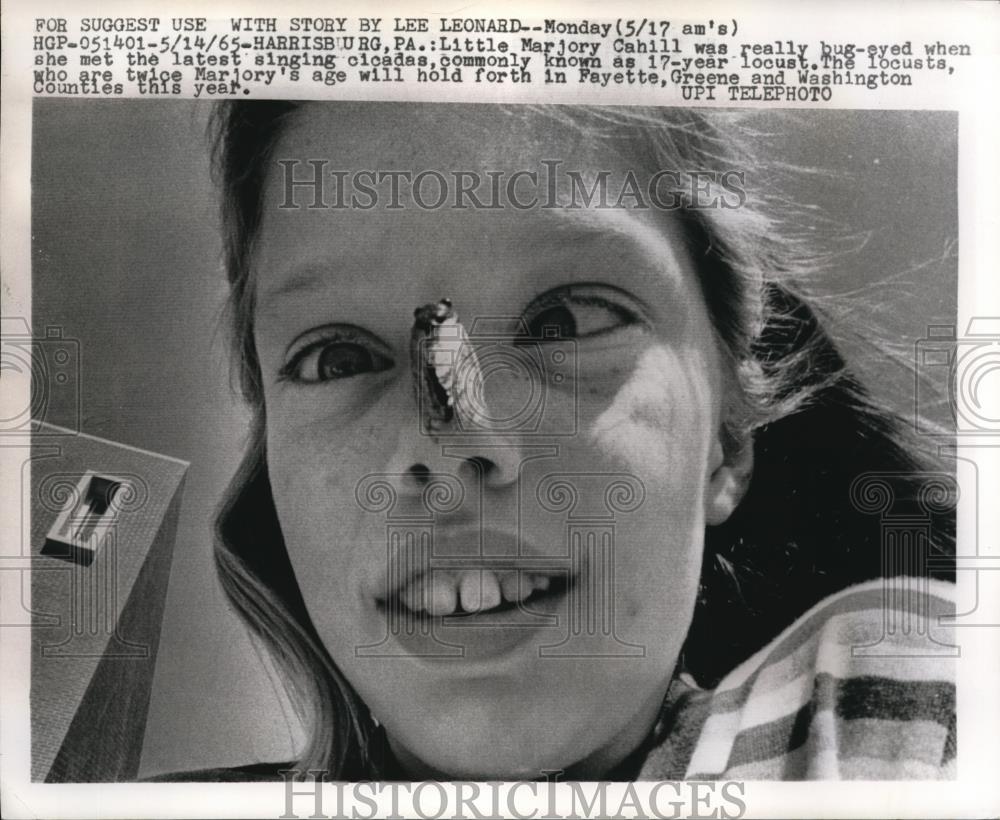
[[560, 578]]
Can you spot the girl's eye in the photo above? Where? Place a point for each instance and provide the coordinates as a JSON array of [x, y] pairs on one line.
[[333, 357], [580, 312]]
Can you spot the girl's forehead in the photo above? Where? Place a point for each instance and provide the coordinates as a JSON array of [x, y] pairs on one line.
[[502, 251], [371, 135]]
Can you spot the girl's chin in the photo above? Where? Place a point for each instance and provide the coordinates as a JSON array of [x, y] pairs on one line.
[[467, 758]]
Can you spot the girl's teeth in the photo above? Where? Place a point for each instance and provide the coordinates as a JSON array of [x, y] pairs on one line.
[[515, 586], [439, 593], [412, 595], [443, 597], [479, 590]]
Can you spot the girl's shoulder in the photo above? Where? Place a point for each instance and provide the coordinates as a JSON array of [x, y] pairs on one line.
[[862, 686]]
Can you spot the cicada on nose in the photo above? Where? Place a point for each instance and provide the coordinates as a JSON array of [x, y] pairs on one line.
[[447, 374]]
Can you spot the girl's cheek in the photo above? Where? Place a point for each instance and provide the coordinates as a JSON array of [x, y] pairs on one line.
[[660, 418], [325, 442], [315, 469]]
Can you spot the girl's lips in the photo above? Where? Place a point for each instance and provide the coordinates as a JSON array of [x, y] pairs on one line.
[[483, 634], [465, 569], [469, 591], [479, 595]]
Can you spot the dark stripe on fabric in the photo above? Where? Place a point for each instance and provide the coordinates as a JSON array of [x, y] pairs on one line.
[[951, 741], [870, 600], [855, 698], [684, 718], [887, 699], [772, 739]]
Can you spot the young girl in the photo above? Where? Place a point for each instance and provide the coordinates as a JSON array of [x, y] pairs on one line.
[[587, 510]]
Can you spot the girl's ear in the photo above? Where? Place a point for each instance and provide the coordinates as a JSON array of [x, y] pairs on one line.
[[732, 469]]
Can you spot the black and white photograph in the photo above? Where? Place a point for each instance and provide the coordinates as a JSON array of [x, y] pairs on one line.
[[407, 442]]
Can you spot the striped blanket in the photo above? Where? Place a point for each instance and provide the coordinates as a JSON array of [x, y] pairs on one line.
[[860, 687]]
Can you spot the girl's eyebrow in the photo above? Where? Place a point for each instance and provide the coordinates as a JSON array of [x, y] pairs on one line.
[[307, 277], [593, 224], [637, 238]]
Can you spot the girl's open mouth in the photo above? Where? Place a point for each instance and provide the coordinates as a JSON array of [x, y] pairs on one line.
[[476, 606], [469, 593], [472, 592], [478, 614]]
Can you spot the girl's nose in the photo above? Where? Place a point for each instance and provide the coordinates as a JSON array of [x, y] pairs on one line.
[[477, 461]]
